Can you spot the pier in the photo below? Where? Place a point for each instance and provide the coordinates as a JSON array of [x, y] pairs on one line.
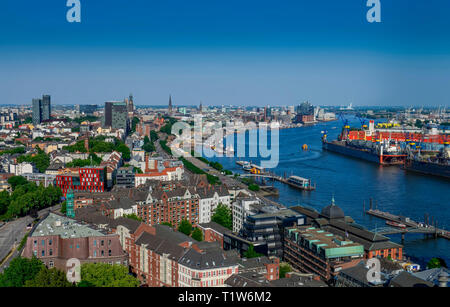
[[275, 177], [411, 226]]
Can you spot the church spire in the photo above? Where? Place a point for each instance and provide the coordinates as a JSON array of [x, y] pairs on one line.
[[170, 104]]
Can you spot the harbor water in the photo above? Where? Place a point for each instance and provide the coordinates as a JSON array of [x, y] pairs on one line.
[[353, 182]]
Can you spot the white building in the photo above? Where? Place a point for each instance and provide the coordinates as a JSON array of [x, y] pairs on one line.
[[210, 198], [22, 168], [168, 174], [241, 209]]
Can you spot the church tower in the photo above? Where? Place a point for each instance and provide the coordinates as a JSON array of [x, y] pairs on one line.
[[170, 105]]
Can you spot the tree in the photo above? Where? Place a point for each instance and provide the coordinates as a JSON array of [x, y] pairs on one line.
[[4, 202], [20, 270], [284, 268], [49, 278], [254, 187], [153, 136], [107, 275], [436, 263], [126, 153], [250, 253], [185, 227], [64, 207], [197, 235], [223, 216], [134, 123], [133, 217], [15, 181]]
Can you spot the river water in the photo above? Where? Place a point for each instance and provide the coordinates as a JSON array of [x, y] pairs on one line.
[[353, 182]]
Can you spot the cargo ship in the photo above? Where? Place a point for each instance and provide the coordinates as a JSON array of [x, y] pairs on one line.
[[384, 152], [437, 165]]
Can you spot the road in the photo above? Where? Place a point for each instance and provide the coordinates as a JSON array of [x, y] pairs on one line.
[[227, 180], [12, 233]]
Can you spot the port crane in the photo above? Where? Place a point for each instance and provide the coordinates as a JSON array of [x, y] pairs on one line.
[[345, 129], [363, 121]]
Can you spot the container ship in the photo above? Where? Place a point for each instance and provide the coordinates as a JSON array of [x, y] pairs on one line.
[[384, 152], [437, 165]]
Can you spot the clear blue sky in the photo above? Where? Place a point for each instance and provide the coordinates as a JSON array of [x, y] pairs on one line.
[[246, 52]]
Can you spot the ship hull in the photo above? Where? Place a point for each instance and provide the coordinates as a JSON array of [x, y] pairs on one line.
[[385, 160], [428, 168], [352, 152]]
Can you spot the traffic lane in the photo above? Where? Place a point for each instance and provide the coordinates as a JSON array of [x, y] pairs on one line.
[[12, 233]]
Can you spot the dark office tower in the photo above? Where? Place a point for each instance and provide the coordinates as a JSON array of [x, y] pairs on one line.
[[108, 114], [200, 109], [46, 108], [116, 115], [37, 111], [170, 104]]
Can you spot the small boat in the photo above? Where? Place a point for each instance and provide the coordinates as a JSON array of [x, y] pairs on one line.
[[395, 224], [300, 183]]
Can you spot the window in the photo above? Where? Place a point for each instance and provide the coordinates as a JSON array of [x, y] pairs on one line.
[[109, 253], [43, 242], [102, 243], [43, 253], [50, 242], [78, 245], [103, 253], [50, 252], [51, 264], [95, 253], [35, 243], [95, 242]]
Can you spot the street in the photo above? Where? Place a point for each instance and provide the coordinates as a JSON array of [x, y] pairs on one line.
[[12, 233]]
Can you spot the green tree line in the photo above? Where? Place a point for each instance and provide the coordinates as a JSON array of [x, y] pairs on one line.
[[25, 197]]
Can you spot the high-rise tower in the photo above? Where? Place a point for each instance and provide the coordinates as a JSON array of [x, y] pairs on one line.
[[41, 109]]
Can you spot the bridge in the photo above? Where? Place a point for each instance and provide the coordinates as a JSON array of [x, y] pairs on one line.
[[410, 225]]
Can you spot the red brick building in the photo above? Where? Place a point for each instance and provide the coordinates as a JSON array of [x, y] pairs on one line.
[[92, 179], [170, 206], [213, 232], [58, 238]]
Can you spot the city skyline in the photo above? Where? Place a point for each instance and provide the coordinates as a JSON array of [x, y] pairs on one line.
[[259, 54]]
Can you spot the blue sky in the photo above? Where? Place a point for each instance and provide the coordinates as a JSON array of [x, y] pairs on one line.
[[226, 52]]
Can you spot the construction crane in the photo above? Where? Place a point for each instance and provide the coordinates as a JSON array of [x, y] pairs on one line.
[[363, 121], [345, 128]]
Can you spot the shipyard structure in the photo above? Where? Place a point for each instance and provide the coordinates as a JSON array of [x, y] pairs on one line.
[[425, 152]]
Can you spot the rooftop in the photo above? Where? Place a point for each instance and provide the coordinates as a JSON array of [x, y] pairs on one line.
[[57, 225], [332, 245]]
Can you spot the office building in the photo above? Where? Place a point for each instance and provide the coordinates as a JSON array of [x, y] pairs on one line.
[[268, 228], [312, 250], [125, 177], [41, 109], [116, 115]]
